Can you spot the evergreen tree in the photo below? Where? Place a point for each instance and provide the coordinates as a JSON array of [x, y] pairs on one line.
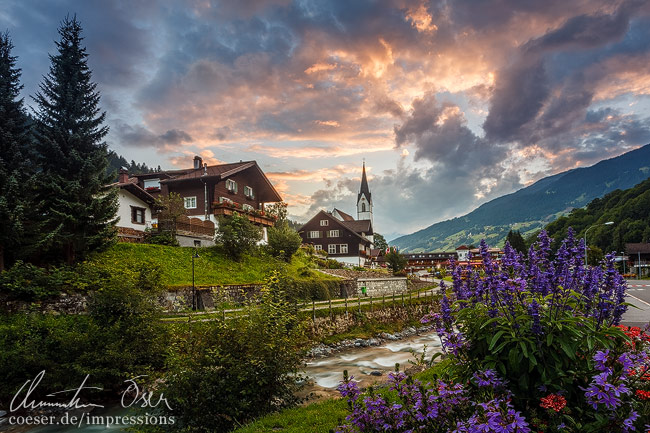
[[517, 241], [78, 208], [380, 242], [15, 168]]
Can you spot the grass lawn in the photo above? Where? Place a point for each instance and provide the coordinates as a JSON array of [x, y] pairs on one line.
[[315, 418], [213, 267]]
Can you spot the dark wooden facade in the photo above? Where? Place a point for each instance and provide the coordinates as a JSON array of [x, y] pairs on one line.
[[220, 199], [357, 245]]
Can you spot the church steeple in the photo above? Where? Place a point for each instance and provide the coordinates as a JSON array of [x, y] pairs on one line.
[[364, 199]]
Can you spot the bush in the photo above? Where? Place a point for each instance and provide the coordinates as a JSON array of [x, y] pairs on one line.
[[28, 282], [542, 334], [237, 235], [283, 241], [157, 237], [120, 338], [225, 373]]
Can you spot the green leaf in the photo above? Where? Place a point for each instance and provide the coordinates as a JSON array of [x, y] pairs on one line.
[[495, 339]]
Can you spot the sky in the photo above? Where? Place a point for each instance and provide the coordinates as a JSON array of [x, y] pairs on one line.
[[449, 103]]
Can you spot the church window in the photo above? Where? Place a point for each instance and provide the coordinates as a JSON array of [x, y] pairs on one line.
[[363, 207]]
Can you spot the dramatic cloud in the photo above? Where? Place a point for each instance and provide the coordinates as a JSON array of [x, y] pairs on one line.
[[451, 103]]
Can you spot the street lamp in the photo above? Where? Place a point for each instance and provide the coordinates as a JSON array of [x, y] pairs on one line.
[[624, 264], [608, 223], [194, 256]]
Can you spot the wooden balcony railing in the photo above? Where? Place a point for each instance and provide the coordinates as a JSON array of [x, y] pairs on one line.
[[254, 216]]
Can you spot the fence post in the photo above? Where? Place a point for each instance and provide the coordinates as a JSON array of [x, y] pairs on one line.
[[402, 299], [393, 298], [223, 314], [371, 303], [346, 307], [313, 310], [330, 308], [359, 303]]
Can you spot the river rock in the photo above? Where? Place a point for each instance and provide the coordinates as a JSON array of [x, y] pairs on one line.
[[388, 336], [376, 373], [374, 342]]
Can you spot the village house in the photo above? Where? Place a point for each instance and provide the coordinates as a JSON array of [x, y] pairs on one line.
[[344, 238], [207, 192]]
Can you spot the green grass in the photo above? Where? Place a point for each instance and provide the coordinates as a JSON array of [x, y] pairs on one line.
[[314, 418], [323, 416], [213, 267]]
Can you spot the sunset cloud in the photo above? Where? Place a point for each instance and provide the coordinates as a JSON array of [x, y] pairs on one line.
[[451, 103]]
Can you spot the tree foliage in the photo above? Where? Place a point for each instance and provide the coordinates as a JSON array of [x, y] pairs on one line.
[[169, 209], [78, 208], [395, 261], [380, 242], [516, 241], [16, 168], [237, 234], [283, 241]]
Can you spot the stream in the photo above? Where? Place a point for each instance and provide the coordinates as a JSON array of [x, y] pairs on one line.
[[368, 365]]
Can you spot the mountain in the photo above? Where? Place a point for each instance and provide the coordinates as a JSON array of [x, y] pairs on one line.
[[628, 209], [533, 207]]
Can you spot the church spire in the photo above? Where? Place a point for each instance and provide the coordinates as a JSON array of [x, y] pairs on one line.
[[364, 185]]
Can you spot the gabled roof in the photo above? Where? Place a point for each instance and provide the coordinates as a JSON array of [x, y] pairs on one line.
[[345, 216], [364, 186], [132, 187], [359, 226], [462, 247]]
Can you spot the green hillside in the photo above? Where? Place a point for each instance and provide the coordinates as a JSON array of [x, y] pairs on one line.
[[628, 209], [213, 267], [533, 207]]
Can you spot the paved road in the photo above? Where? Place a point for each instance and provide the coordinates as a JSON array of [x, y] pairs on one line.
[[638, 294]]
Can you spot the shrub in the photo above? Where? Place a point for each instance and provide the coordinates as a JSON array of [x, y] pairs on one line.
[[120, 338], [227, 372], [283, 241], [237, 235], [28, 282], [547, 330], [396, 262]]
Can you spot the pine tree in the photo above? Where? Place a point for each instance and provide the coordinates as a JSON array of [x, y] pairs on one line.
[[79, 209], [516, 241], [15, 167]]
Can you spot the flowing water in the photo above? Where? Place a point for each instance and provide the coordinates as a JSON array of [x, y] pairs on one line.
[[324, 374]]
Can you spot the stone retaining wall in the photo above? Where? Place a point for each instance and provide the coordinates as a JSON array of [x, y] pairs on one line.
[[382, 286]]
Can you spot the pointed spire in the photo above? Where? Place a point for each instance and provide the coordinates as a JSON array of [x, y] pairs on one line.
[[364, 185]]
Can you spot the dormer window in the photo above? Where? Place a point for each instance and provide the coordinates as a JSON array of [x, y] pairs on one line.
[[248, 192], [151, 184], [324, 222], [231, 186]]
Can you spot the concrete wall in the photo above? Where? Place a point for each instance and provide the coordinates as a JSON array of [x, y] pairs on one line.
[[188, 241], [382, 286]]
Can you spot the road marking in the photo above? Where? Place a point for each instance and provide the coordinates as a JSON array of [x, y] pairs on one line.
[[640, 300]]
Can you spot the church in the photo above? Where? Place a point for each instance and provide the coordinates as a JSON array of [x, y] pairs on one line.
[[344, 238]]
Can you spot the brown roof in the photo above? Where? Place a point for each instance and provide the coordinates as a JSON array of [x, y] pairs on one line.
[[635, 248], [131, 186], [462, 247], [343, 224], [221, 170], [346, 217], [358, 226]]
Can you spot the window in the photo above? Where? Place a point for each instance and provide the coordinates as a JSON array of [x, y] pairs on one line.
[[197, 243], [331, 249], [224, 200], [318, 247], [343, 248], [333, 234], [324, 222], [363, 207], [248, 192], [314, 234], [231, 186], [190, 202], [137, 215], [247, 207], [151, 184]]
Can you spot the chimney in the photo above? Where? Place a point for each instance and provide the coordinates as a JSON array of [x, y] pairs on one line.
[[123, 176], [198, 162]]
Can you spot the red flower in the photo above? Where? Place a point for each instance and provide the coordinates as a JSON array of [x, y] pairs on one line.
[[643, 395], [553, 401]]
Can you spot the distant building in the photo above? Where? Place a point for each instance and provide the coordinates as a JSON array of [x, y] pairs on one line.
[[344, 239], [638, 255]]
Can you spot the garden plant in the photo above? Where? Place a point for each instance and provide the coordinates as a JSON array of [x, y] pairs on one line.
[[535, 345]]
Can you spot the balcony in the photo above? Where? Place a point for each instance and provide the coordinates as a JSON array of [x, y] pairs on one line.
[[254, 216]]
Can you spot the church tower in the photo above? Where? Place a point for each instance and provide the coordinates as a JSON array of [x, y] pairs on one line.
[[364, 199]]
